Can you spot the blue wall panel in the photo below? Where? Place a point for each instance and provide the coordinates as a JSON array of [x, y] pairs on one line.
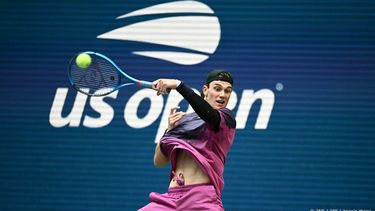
[[316, 59]]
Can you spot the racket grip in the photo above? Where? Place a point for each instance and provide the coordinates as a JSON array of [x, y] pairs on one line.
[[145, 84]]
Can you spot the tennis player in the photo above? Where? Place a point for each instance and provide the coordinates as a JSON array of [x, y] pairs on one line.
[[196, 144]]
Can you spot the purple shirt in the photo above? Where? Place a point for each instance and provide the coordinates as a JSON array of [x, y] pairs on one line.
[[207, 147]]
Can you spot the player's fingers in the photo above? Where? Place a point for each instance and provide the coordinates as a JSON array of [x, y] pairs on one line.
[[174, 120], [161, 86], [173, 109], [177, 115], [180, 115], [156, 86]]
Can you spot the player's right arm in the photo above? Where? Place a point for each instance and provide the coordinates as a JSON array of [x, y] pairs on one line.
[[200, 106]]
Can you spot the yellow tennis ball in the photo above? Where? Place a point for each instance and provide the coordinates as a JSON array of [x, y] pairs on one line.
[[83, 60]]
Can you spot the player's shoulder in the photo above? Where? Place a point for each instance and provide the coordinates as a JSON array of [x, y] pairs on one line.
[[226, 111], [228, 117]]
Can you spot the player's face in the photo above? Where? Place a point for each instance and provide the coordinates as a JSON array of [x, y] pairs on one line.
[[217, 93]]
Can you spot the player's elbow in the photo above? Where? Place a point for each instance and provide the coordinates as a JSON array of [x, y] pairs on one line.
[[160, 160]]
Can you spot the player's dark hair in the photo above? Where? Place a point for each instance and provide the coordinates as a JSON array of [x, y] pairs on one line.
[[218, 75]]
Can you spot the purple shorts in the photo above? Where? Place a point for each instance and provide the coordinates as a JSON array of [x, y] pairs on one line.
[[187, 197]]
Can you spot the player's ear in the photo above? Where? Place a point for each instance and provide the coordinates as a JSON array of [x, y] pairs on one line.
[[204, 91]]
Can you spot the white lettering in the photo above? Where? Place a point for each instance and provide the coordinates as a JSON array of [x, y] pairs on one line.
[[131, 108], [75, 115], [232, 101], [104, 109], [247, 100], [155, 110]]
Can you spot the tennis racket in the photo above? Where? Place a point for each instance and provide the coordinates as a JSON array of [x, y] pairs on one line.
[[101, 77]]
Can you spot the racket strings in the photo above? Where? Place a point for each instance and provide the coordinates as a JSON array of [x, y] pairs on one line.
[[100, 78]]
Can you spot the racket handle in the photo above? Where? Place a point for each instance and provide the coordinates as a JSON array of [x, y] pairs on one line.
[[147, 84]]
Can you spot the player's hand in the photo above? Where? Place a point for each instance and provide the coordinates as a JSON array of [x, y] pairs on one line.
[[165, 85], [174, 117]]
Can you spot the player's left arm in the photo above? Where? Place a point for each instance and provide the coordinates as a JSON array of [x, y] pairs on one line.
[[160, 159]]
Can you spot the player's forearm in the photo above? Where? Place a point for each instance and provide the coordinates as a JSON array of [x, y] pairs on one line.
[[159, 158]]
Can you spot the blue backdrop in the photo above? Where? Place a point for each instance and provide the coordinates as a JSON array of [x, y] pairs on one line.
[[304, 89]]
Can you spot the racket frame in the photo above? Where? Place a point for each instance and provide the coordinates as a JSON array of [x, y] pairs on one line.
[[138, 83]]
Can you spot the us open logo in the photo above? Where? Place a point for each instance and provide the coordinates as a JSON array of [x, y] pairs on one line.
[[196, 36], [195, 32]]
